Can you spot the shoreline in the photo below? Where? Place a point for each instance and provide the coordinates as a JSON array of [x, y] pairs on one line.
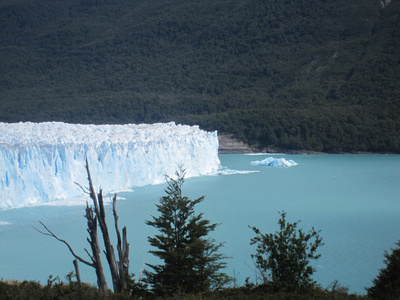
[[229, 145]]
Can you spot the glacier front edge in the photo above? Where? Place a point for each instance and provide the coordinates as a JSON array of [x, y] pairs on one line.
[[42, 162]]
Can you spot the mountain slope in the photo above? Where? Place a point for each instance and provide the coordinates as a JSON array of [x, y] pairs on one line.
[[290, 74]]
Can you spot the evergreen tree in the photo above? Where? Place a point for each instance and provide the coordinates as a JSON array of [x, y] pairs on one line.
[[286, 255], [387, 284], [191, 263]]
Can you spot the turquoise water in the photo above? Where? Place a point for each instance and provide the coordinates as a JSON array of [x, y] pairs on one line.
[[353, 199]]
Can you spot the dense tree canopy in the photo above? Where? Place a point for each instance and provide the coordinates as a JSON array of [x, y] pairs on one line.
[[292, 74]]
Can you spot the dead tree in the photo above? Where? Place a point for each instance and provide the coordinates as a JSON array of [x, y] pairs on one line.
[[123, 251], [119, 270], [96, 216]]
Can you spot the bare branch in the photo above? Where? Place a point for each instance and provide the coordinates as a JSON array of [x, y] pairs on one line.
[[91, 257], [85, 190], [50, 233]]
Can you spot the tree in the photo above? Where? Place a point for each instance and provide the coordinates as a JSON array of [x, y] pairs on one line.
[[285, 255], [96, 216], [191, 263], [387, 284]]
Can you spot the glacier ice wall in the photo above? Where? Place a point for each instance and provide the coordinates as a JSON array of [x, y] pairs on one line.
[[40, 162]]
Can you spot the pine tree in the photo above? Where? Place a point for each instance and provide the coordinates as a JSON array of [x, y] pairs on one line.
[[387, 284], [191, 262]]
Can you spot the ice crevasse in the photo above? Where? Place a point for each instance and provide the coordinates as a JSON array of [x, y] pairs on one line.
[[42, 162]]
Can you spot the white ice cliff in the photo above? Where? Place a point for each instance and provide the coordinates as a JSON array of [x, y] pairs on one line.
[[40, 162], [274, 162]]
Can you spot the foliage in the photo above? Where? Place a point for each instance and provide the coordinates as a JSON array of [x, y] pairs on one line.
[[28, 290], [191, 263], [285, 256], [387, 284], [54, 289], [304, 74], [265, 292]]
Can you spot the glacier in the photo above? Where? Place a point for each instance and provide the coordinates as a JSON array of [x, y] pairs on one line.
[[40, 163], [274, 162]]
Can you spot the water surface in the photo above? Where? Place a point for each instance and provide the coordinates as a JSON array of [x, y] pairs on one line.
[[353, 199]]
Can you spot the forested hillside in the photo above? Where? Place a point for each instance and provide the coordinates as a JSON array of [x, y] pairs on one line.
[[286, 74]]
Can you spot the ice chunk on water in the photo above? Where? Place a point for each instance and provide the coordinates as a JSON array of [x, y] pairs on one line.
[[40, 162], [226, 171], [274, 162]]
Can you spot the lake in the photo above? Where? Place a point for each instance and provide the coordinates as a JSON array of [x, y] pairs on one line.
[[353, 199]]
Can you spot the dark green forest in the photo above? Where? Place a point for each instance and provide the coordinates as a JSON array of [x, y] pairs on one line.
[[290, 74]]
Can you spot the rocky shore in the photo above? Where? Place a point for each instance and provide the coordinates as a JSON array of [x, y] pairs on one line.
[[229, 145]]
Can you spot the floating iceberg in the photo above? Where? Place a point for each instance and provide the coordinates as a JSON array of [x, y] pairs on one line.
[[274, 162], [40, 162]]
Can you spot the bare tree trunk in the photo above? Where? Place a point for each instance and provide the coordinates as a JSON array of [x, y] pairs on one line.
[[123, 250], [95, 245], [119, 271], [77, 273], [101, 217]]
